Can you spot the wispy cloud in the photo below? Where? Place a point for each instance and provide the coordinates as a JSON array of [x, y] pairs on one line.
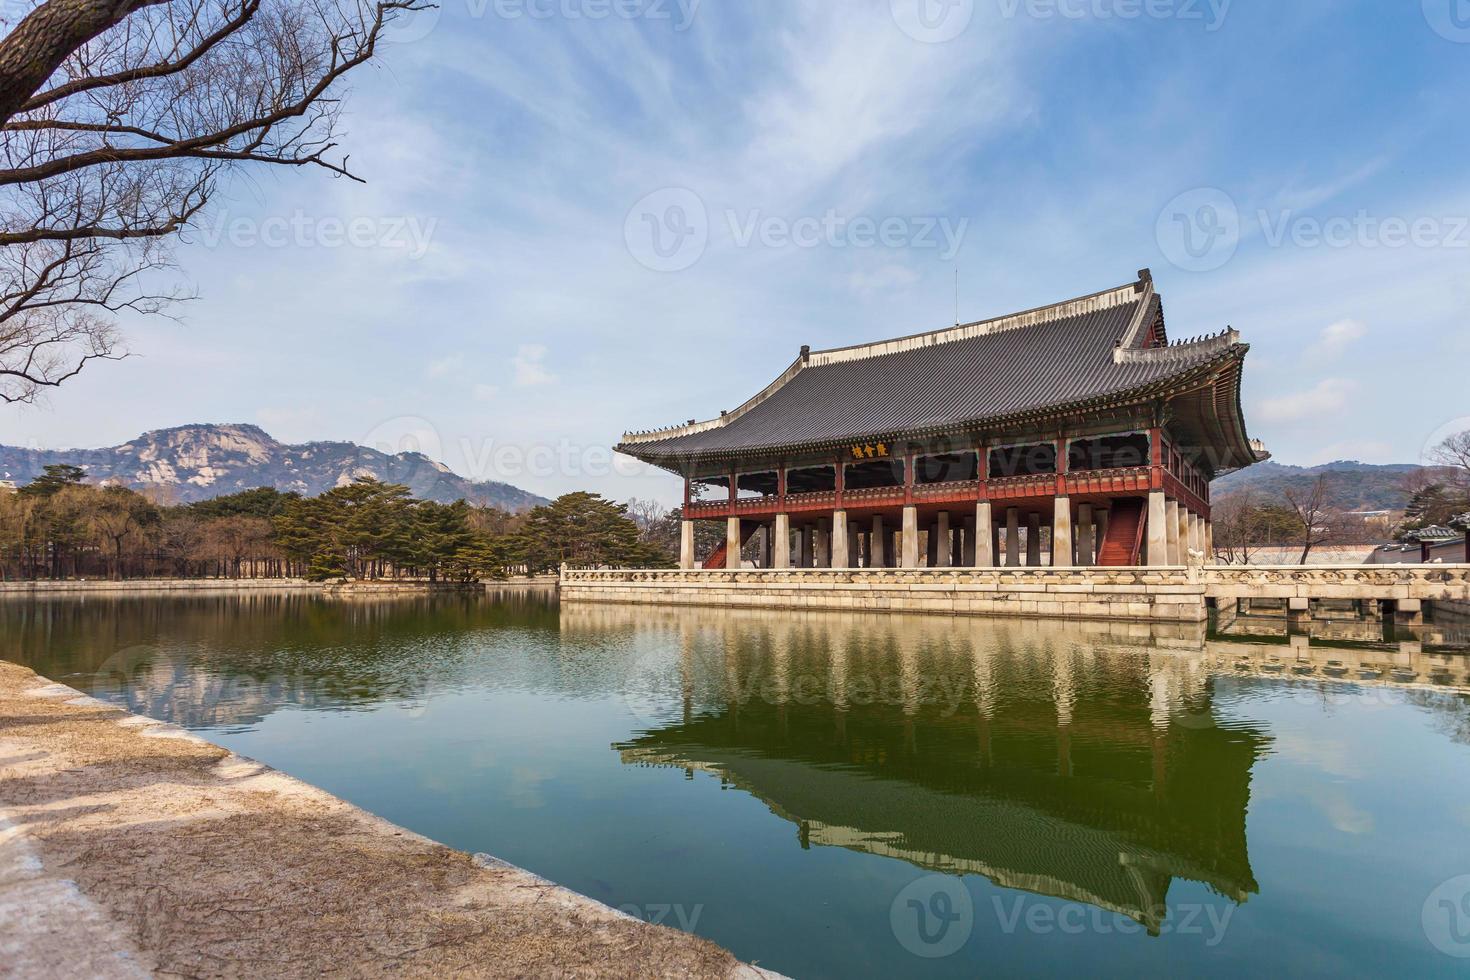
[[1336, 338], [530, 367], [1314, 404]]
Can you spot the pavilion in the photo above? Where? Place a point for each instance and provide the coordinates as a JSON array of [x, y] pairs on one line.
[[1075, 434]]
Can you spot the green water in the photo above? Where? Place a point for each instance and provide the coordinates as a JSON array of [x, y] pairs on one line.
[[847, 795]]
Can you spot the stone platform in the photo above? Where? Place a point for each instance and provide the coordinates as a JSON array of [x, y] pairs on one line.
[[1179, 594]]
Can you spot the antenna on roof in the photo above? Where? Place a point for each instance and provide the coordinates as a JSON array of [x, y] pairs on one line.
[[956, 295]]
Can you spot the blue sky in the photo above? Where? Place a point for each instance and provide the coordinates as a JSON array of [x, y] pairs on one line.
[[816, 172]]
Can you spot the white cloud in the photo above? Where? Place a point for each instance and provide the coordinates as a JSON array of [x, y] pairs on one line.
[[530, 367], [1326, 396], [444, 366], [1337, 337]]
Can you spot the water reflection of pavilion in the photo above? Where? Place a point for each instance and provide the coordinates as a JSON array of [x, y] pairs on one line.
[[1076, 761]]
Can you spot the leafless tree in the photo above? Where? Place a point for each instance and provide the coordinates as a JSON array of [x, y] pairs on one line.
[[1235, 527], [1312, 513], [118, 121], [1454, 454]]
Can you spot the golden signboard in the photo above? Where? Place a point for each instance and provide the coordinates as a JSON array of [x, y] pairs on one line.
[[870, 450]]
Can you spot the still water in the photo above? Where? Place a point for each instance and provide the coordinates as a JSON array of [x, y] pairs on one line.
[[847, 795]]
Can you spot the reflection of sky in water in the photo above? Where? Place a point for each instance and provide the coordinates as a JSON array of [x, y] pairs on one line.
[[791, 774]]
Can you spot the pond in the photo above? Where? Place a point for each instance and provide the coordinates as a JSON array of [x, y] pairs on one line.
[[845, 795]]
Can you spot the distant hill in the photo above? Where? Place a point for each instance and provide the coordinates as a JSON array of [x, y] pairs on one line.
[[197, 462], [1351, 485]]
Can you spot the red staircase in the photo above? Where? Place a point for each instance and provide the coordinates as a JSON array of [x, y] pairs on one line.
[[717, 557], [1124, 540]]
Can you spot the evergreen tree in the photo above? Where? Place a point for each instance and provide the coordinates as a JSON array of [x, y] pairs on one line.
[[53, 478]]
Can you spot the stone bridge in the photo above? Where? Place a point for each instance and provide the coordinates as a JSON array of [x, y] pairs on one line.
[[1138, 594]]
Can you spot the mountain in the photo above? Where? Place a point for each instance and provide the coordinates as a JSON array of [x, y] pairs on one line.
[[197, 462], [1350, 486]]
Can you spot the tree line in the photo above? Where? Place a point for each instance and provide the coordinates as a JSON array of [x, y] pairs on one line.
[[1306, 518], [58, 526]]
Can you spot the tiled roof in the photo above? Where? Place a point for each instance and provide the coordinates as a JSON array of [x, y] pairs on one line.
[[1074, 352]]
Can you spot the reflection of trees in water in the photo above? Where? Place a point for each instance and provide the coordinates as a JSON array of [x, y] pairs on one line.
[[1072, 760], [230, 659]]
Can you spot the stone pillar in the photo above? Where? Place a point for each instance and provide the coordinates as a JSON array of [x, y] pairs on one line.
[[1298, 612], [1158, 530], [1061, 533], [686, 544], [931, 547], [1196, 533], [877, 556], [782, 542], [1171, 525], [1084, 535], [1013, 536], [946, 541], [841, 540], [1408, 612], [732, 542], [824, 543], [890, 548], [1183, 534], [984, 536], [804, 546], [1100, 533], [970, 554], [1033, 539], [1209, 542], [911, 537]]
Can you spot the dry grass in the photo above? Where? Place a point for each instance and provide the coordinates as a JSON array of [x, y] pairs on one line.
[[212, 865]]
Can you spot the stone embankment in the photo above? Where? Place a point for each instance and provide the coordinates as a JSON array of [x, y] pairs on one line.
[[130, 848], [1157, 595]]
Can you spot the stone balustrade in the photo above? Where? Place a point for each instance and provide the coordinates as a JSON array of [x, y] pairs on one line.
[[1178, 594]]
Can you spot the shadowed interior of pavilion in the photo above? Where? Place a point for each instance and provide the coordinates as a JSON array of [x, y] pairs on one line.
[[1091, 774]]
